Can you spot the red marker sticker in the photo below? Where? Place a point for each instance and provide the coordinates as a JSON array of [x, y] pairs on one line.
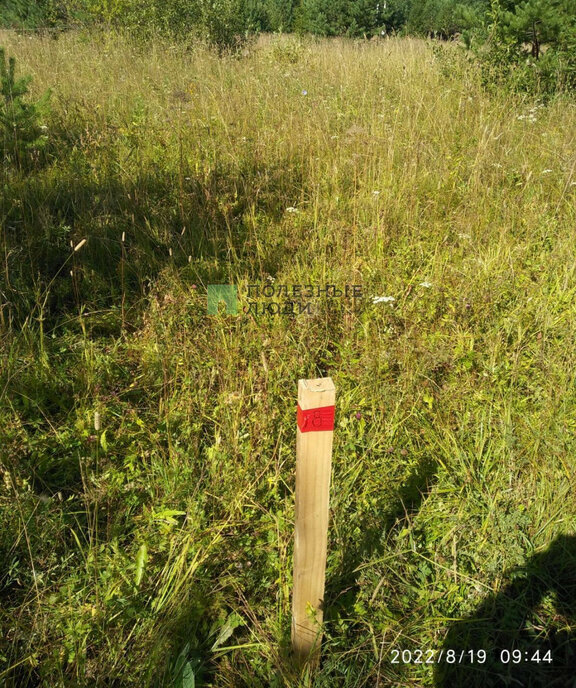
[[315, 419]]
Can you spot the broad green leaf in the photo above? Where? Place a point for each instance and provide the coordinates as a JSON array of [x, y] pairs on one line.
[[168, 515], [141, 559], [188, 680], [232, 622]]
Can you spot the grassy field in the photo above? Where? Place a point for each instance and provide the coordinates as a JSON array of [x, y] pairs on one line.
[[148, 449]]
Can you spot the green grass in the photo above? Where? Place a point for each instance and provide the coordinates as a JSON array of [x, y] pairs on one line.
[[159, 546]]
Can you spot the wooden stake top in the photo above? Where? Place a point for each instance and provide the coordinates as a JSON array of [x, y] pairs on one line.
[[316, 393]]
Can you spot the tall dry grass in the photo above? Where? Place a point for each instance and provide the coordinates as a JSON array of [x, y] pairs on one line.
[[158, 547]]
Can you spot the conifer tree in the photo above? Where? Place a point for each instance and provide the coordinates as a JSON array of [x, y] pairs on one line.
[[534, 22], [20, 130], [533, 41]]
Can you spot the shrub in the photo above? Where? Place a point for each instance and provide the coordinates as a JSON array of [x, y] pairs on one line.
[[223, 24]]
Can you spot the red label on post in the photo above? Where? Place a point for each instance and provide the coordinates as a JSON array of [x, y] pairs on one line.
[[315, 419]]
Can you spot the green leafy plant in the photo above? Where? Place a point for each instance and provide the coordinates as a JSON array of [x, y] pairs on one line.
[[223, 24]]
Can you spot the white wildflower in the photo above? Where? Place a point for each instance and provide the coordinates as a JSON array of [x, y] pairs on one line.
[[425, 284], [383, 299], [291, 209], [546, 171], [375, 192]]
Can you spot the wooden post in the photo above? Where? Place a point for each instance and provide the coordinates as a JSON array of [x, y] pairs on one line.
[[313, 465]]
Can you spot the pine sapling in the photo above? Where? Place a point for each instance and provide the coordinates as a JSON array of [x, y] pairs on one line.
[[21, 133]]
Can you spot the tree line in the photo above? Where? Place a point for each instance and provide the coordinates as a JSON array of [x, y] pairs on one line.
[[531, 41], [354, 18]]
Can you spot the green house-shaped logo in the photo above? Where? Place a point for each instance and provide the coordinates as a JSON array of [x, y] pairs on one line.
[[222, 292]]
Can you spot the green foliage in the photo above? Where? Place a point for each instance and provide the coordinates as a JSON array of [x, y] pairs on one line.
[[172, 18], [21, 131], [445, 18], [42, 14], [534, 22], [21, 14], [280, 14], [395, 14], [530, 45], [340, 17], [225, 24], [442, 18]]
